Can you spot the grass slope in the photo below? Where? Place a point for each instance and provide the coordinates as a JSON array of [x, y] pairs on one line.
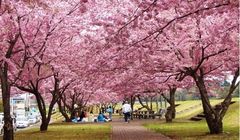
[[196, 105], [184, 129]]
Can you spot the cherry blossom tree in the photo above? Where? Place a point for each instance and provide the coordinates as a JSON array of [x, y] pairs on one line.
[[79, 93], [13, 50], [197, 37], [82, 51], [35, 25], [208, 58]]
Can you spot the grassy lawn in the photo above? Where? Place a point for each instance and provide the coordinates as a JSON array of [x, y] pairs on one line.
[[186, 130], [180, 129], [57, 117], [67, 131], [197, 107], [184, 106], [189, 130]]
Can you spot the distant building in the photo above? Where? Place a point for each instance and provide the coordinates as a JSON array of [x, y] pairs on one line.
[[21, 105]]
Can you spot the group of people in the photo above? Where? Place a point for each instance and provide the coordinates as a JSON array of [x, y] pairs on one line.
[[103, 118], [85, 117]]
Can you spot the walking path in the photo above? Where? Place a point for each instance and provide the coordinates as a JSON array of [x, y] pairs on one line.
[[134, 131]]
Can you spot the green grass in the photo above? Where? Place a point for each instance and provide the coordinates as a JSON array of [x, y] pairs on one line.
[[57, 117], [193, 130], [184, 129], [183, 106], [67, 131], [232, 116], [186, 104], [197, 104], [181, 128]]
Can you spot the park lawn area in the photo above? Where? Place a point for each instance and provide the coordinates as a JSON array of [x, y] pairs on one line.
[[188, 112], [197, 107], [57, 117], [184, 129], [183, 106], [67, 131]]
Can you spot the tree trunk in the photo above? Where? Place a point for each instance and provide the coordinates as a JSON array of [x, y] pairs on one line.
[[132, 103], [42, 110], [46, 116], [172, 100], [168, 115], [161, 102], [214, 121], [234, 84], [44, 124], [63, 112], [114, 107], [215, 125], [8, 126], [143, 106], [5, 86], [151, 102], [157, 106], [73, 113], [65, 115], [46, 119], [171, 111]]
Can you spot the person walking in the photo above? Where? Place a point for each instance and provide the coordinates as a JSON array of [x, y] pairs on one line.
[[126, 109]]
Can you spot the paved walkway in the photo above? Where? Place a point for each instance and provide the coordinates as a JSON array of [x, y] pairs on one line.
[[134, 131]]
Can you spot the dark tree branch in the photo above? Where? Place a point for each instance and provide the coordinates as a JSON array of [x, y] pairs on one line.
[[225, 104], [165, 97]]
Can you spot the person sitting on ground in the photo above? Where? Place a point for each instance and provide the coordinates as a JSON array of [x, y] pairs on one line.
[[100, 117], [85, 117], [76, 118], [91, 117], [81, 116], [106, 118]]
